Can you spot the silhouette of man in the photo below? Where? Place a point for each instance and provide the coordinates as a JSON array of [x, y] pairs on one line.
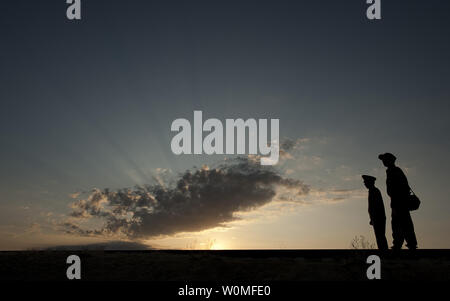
[[398, 190], [376, 212]]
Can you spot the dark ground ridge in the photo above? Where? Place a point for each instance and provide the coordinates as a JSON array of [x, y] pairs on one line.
[[227, 265]]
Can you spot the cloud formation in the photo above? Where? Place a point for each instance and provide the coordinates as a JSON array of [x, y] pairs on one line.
[[105, 246], [198, 200]]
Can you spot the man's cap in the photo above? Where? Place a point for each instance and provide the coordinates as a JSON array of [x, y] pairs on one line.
[[368, 178], [387, 156]]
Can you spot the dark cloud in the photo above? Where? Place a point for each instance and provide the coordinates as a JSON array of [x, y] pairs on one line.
[[287, 144], [201, 199], [107, 246]]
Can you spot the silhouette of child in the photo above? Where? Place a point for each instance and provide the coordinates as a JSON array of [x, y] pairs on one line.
[[376, 212]]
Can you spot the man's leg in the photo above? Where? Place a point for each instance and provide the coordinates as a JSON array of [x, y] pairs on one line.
[[380, 234], [408, 230], [397, 233]]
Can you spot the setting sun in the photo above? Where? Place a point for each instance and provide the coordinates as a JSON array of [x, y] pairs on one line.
[[218, 246]]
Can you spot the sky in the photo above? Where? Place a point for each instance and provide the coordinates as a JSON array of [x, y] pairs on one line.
[[87, 105]]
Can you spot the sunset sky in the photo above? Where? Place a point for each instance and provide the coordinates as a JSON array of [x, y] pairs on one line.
[[87, 105]]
